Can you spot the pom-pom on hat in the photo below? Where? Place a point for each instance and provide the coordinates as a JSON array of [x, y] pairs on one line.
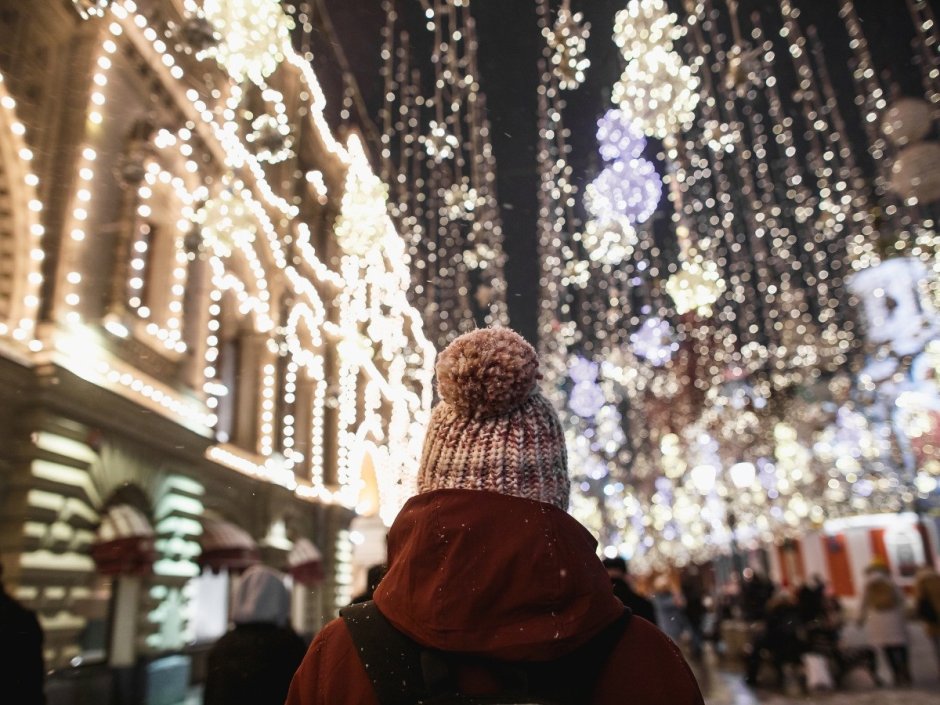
[[493, 430]]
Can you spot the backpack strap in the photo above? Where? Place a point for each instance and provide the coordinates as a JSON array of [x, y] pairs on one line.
[[391, 659], [403, 672]]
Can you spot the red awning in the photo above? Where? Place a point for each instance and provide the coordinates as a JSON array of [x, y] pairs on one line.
[[306, 562], [124, 542], [225, 546]]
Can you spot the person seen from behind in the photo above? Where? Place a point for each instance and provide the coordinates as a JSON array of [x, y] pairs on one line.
[[882, 615], [781, 641], [253, 664], [21, 659], [927, 596], [492, 588], [623, 589]]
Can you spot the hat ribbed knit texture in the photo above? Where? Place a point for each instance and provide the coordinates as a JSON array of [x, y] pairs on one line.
[[493, 430]]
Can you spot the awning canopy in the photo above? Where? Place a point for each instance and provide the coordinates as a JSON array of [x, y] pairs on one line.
[[226, 546], [305, 562], [124, 542]]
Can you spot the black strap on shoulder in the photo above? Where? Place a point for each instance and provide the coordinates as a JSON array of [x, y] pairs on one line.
[[573, 678], [391, 659], [403, 672]]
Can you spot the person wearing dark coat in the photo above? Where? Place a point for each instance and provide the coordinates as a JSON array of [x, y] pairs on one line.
[[254, 663], [373, 577], [21, 659], [487, 571], [781, 639], [639, 605]]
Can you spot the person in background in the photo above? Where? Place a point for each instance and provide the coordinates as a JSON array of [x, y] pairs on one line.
[[756, 592], [669, 614], [493, 590], [21, 660], [811, 600], [620, 579], [373, 578], [927, 596], [781, 639], [693, 595], [882, 615], [254, 663]]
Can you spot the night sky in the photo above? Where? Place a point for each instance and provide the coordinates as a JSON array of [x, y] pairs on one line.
[[509, 48]]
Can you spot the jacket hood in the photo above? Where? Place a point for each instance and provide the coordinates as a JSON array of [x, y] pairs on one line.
[[494, 575], [262, 598]]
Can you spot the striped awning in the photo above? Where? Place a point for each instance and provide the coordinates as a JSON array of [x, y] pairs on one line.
[[226, 546], [306, 562], [124, 542]]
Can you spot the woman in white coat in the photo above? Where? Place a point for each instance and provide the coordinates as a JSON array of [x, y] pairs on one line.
[[883, 617]]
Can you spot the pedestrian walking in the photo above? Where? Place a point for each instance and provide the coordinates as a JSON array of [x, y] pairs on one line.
[[21, 659], [493, 589], [253, 664], [927, 596], [882, 615], [623, 589], [669, 614]]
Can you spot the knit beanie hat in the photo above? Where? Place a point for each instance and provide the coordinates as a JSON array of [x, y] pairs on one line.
[[493, 430]]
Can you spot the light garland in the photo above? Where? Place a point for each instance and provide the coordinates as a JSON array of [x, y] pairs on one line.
[[568, 43], [24, 300], [654, 341], [91, 8], [254, 36], [660, 91], [618, 137], [438, 160], [439, 143], [629, 190], [363, 220], [609, 242], [246, 228], [657, 89], [86, 173], [643, 24]]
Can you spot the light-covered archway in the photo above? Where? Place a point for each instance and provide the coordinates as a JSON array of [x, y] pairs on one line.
[[20, 227]]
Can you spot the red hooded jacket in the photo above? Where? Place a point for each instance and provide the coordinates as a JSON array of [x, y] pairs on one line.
[[502, 577]]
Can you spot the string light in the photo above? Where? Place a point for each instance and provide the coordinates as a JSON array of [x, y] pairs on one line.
[[657, 89], [244, 227], [629, 190], [438, 160], [568, 43], [21, 312], [254, 36]]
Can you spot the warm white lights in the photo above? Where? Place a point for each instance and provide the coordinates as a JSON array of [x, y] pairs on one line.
[[568, 42], [253, 36], [217, 260], [696, 287], [657, 88], [20, 318]]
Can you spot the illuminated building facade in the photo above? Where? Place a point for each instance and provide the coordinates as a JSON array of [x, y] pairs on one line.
[[207, 352]]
